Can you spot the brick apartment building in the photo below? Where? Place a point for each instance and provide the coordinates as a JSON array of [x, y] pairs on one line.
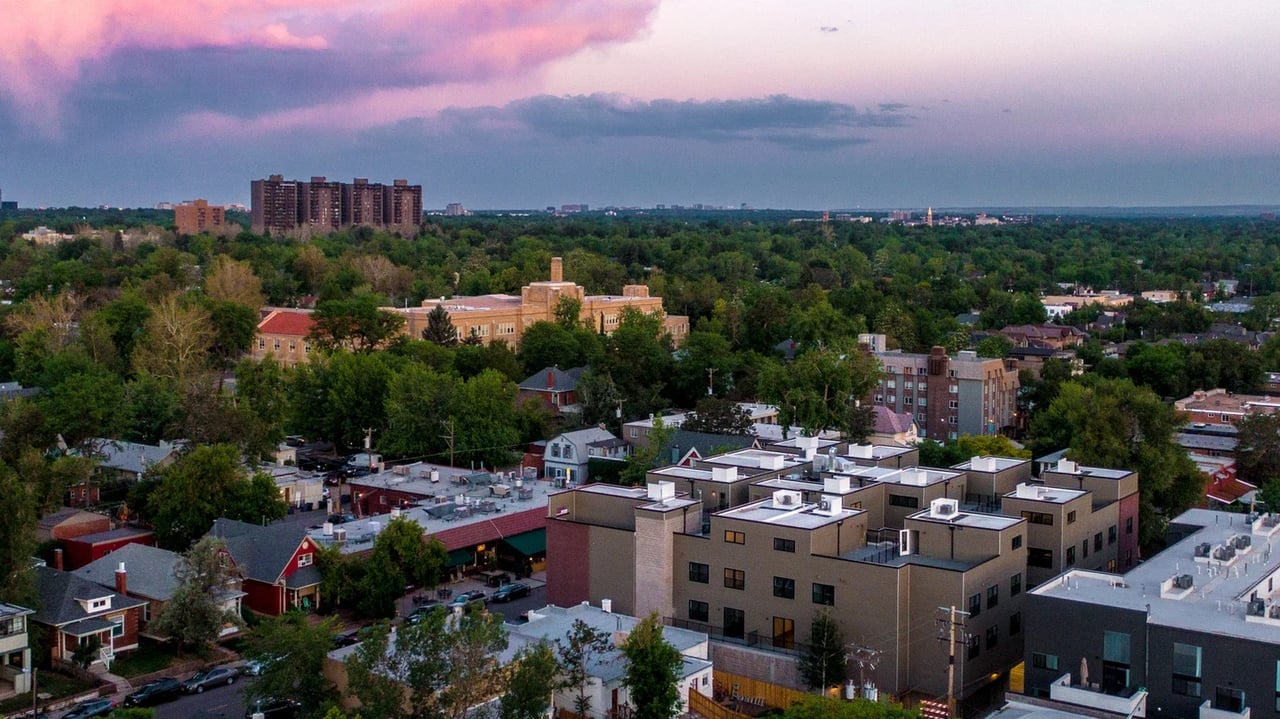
[[1220, 407], [506, 317], [191, 218], [321, 205], [949, 396]]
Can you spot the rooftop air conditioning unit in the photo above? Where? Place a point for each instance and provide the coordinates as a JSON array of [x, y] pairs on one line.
[[1203, 549], [339, 535], [1241, 541], [1257, 608], [945, 508], [1225, 553], [824, 505], [785, 499], [1183, 581], [1274, 612]]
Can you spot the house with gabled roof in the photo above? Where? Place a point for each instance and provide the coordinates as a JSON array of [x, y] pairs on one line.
[[569, 453], [284, 334], [150, 574], [118, 459], [556, 389], [75, 610], [277, 564]]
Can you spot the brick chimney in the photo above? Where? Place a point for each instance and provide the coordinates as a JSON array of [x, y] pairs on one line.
[[122, 580], [557, 269], [551, 379], [57, 559]]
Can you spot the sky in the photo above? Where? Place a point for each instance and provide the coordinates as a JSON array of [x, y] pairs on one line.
[[806, 104]]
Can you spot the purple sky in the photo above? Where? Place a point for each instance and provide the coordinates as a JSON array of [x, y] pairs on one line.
[[526, 103]]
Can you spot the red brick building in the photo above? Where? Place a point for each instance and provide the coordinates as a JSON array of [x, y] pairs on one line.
[[277, 564], [80, 551], [191, 218], [75, 611]]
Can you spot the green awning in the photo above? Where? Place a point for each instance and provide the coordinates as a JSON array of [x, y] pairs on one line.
[[529, 543], [459, 557]]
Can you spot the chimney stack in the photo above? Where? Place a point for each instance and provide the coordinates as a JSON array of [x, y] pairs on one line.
[[57, 559], [551, 379], [122, 580], [557, 269]]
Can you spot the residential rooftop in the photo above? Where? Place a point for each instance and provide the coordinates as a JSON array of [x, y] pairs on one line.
[[1042, 493], [988, 463], [1203, 582], [876, 451], [787, 509], [756, 459]]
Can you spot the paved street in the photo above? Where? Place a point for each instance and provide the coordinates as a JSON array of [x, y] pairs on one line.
[[223, 702]]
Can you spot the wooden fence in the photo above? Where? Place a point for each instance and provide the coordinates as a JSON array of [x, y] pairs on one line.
[[736, 686], [708, 708]]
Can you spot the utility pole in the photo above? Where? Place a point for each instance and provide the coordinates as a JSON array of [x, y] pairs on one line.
[[953, 622], [448, 438], [865, 657]]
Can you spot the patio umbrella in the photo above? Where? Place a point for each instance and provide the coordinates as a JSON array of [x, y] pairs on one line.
[[1084, 672]]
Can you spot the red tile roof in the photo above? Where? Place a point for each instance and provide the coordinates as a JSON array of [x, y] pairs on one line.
[[489, 530], [286, 322]]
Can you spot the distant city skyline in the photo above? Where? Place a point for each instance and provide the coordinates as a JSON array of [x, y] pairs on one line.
[[528, 104]]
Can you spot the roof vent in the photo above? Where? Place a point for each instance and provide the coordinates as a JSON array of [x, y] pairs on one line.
[[944, 508]]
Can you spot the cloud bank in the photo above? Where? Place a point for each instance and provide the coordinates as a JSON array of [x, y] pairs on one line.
[[285, 48]]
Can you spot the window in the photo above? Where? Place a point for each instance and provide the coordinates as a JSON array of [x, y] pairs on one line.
[[275, 345], [1128, 525], [993, 636], [568, 451], [879, 398], [1186, 670], [99, 604], [146, 612], [1015, 584], [1071, 556], [1037, 517], [506, 328], [784, 587], [1278, 685], [306, 348], [924, 401], [1042, 558], [304, 560], [698, 611], [1229, 699], [922, 417], [1015, 624], [117, 627], [891, 385], [699, 572], [908, 385], [907, 400], [993, 595], [952, 404], [293, 346], [1071, 517], [975, 605], [953, 389], [1017, 541], [262, 344], [1084, 549], [1097, 542], [952, 419], [1111, 534], [555, 450], [824, 594], [784, 545], [1044, 661], [974, 643], [735, 578], [902, 500], [634, 433], [733, 537], [735, 623]]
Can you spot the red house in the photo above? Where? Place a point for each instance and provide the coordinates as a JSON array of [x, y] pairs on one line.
[[75, 611], [92, 547], [554, 388], [277, 564]]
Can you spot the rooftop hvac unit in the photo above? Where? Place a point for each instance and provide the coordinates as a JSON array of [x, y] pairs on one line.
[[1183, 581], [402, 470], [785, 499], [1257, 608], [824, 505], [1241, 541], [339, 535], [1203, 549], [1274, 612], [1225, 553], [944, 508]]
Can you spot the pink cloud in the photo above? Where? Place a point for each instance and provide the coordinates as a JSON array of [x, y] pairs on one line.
[[54, 44]]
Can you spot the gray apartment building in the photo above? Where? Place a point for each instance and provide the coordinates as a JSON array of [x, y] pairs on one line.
[[1193, 632]]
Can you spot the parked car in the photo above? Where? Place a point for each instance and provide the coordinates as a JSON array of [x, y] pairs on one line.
[[461, 599], [497, 579], [345, 640], [255, 667], [209, 679], [161, 690], [91, 708], [341, 518], [507, 592], [273, 709], [295, 440]]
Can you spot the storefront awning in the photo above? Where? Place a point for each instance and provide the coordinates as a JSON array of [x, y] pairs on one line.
[[459, 557], [529, 543]]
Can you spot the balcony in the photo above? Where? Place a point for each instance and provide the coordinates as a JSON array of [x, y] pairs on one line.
[[1207, 711], [1134, 704]]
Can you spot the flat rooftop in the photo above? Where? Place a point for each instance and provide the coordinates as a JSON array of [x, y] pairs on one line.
[[1041, 493], [757, 459], [799, 516], [977, 520], [989, 463], [1078, 469], [676, 471], [875, 451], [1217, 599]]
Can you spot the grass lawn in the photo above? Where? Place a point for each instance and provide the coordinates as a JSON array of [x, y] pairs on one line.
[[57, 685], [144, 660]]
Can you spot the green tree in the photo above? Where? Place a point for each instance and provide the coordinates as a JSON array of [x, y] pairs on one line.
[[417, 411], [207, 483], [381, 583], [568, 312], [375, 670], [194, 615], [719, 416], [356, 324], [530, 685], [997, 445], [995, 346], [153, 409], [647, 457], [440, 329], [825, 663], [1114, 423], [824, 707], [822, 389], [421, 560], [484, 419], [575, 654], [1258, 450], [652, 670], [600, 399], [17, 542], [305, 645], [547, 344], [263, 388]]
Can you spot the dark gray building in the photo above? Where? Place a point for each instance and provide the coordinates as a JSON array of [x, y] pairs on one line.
[[1192, 632]]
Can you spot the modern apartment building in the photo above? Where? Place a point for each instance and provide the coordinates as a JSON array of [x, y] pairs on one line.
[[948, 396], [197, 216], [506, 317], [1194, 631], [321, 205]]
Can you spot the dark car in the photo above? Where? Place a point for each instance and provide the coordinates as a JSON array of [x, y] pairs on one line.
[[273, 709], [346, 640], [461, 599], [209, 679], [161, 690], [417, 615], [507, 592], [91, 708], [341, 518]]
